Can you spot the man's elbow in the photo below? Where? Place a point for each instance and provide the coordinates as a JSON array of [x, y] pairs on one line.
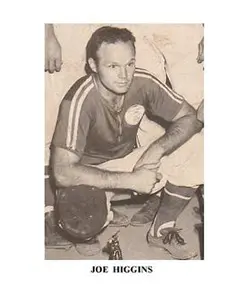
[[195, 124], [192, 122], [60, 176]]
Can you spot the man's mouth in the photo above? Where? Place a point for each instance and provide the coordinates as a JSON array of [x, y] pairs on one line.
[[122, 83]]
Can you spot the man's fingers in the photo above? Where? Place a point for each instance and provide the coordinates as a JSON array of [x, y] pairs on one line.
[[51, 65], [58, 64], [158, 179], [199, 54], [200, 57], [46, 67]]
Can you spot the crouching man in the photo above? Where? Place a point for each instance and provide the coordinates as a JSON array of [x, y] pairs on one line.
[[105, 143]]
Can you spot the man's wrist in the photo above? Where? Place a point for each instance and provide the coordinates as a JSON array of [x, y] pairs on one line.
[[127, 181], [158, 148]]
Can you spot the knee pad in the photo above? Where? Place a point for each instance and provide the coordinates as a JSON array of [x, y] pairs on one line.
[[81, 211]]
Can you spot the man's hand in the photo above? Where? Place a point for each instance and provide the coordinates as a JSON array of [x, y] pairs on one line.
[[200, 57], [53, 52], [143, 180]]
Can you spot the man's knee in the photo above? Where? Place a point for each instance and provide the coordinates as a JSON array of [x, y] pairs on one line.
[[81, 211], [185, 166]]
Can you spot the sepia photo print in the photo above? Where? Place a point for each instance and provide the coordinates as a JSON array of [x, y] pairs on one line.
[[124, 141]]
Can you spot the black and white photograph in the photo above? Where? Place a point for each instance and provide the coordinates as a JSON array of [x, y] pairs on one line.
[[113, 187], [124, 141]]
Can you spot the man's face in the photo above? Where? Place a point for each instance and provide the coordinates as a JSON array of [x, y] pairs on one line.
[[115, 66]]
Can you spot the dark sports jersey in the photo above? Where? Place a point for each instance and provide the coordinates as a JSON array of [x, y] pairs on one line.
[[90, 128]]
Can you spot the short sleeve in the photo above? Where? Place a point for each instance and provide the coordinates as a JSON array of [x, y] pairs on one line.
[[162, 101], [71, 129]]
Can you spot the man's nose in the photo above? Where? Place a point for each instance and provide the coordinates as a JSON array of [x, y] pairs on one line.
[[123, 73]]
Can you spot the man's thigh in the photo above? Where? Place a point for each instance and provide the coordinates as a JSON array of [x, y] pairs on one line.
[[185, 166]]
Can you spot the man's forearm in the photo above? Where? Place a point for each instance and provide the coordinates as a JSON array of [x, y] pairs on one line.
[[177, 134], [77, 175]]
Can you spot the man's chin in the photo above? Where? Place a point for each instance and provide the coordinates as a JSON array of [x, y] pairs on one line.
[[122, 89], [119, 90]]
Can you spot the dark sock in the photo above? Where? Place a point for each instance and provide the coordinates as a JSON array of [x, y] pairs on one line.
[[173, 201]]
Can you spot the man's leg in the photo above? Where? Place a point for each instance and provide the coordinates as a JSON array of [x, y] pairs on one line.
[[184, 172], [163, 232]]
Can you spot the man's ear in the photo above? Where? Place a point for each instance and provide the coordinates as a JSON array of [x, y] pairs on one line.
[[92, 64]]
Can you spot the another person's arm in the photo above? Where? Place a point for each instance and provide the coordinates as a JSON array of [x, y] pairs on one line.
[[200, 57], [53, 52]]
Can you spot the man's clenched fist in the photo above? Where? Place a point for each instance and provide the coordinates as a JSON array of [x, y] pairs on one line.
[[53, 52], [144, 180]]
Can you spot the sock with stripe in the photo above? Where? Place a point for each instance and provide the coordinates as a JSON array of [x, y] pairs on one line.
[[173, 201]]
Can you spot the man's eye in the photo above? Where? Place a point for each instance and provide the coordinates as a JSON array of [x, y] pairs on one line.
[[112, 66]]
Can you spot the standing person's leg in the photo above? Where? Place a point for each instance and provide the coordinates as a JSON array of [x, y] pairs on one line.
[[187, 170], [182, 173], [184, 170]]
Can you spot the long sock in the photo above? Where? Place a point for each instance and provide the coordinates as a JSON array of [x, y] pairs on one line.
[[173, 201], [48, 208]]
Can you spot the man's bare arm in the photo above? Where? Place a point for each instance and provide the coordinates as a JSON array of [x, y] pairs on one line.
[[68, 172], [53, 51], [183, 127]]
